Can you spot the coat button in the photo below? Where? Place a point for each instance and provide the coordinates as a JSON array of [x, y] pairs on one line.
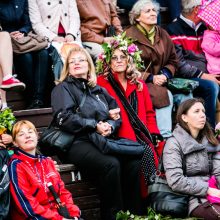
[[48, 3], [49, 16], [65, 14], [60, 2]]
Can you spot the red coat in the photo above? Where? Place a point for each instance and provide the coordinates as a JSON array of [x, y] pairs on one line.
[[145, 109], [29, 198]]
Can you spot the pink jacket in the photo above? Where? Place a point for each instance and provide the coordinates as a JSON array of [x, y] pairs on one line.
[[211, 48]]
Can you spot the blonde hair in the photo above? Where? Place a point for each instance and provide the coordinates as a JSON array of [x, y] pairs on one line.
[[92, 79], [17, 127], [138, 7]]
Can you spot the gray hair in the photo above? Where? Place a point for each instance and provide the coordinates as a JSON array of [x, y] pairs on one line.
[[138, 7], [189, 5]]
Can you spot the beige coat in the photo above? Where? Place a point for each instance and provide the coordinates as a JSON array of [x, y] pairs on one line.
[[45, 16]]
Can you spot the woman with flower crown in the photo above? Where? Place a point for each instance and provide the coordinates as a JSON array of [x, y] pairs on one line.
[[117, 68], [118, 176], [159, 56]]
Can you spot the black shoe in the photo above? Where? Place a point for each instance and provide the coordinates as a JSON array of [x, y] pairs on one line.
[[36, 104]]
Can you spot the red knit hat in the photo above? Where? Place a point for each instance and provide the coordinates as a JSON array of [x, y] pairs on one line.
[[210, 13]]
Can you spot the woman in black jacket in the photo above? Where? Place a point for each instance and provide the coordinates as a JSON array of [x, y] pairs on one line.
[[31, 67], [98, 114]]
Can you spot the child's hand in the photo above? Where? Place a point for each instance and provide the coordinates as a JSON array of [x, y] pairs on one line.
[[114, 113]]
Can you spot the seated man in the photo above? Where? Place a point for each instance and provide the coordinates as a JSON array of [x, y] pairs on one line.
[[186, 33], [96, 17]]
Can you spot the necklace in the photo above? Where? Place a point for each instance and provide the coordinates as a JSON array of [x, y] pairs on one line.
[[42, 180]]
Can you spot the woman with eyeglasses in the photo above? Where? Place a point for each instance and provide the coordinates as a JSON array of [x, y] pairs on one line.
[[118, 74], [159, 56], [82, 108]]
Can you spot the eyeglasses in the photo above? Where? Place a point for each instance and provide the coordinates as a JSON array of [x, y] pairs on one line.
[[122, 58], [77, 60]]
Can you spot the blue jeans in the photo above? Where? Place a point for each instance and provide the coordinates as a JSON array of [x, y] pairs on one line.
[[208, 90], [32, 69], [164, 115], [164, 118]]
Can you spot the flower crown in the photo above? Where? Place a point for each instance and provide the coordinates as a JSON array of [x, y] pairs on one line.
[[123, 43]]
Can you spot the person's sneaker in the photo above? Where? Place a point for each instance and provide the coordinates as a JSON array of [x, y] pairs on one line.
[[36, 104], [12, 84]]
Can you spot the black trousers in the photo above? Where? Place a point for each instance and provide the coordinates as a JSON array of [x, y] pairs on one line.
[[32, 69], [118, 178]]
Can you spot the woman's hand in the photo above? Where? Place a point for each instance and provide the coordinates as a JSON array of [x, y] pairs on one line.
[[213, 192], [16, 34], [104, 128], [159, 79], [59, 39], [114, 113], [6, 139]]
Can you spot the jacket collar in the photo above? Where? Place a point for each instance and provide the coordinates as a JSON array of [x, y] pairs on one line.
[[23, 156], [82, 84], [187, 142]]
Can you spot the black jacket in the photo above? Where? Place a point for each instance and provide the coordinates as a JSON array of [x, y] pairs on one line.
[[95, 108], [14, 16]]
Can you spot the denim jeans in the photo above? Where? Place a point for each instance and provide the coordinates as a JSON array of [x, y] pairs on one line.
[[164, 115], [164, 118], [208, 90], [32, 69]]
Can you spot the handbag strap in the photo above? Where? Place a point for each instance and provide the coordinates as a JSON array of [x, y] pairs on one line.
[[135, 120], [80, 105]]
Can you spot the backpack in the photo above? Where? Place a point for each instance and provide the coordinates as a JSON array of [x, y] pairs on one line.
[[4, 184]]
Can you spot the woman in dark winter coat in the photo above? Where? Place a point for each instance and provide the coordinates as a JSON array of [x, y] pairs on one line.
[[194, 150], [118, 176], [31, 67]]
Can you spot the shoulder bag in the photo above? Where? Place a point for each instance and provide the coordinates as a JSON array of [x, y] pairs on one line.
[[180, 85], [29, 43], [163, 199], [54, 140]]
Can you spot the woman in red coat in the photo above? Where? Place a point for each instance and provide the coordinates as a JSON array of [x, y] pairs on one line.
[[117, 67]]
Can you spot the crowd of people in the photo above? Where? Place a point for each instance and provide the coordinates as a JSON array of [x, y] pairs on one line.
[[114, 86]]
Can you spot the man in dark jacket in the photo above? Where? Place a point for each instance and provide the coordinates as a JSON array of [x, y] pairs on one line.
[[186, 33]]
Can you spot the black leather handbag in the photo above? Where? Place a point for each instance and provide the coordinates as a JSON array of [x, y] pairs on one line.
[[163, 199], [55, 140]]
